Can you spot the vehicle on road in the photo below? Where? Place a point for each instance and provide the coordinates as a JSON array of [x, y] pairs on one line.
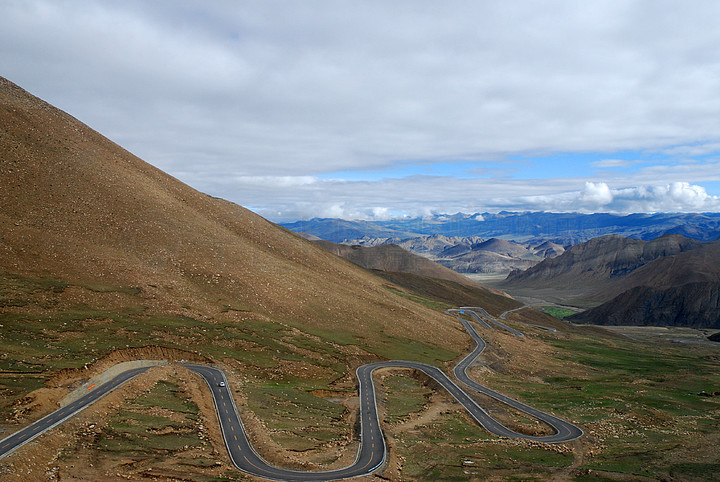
[[221, 384]]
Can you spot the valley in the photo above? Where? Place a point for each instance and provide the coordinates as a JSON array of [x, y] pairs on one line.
[[372, 452], [106, 260]]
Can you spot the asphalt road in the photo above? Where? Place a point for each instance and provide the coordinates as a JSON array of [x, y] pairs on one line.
[[480, 314], [18, 439], [372, 451], [564, 431], [372, 444]]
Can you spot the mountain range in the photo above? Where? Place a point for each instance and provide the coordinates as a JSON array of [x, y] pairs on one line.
[[467, 254], [669, 281], [531, 228]]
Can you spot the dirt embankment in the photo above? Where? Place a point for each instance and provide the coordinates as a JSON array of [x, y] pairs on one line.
[[69, 451], [41, 402], [172, 355]]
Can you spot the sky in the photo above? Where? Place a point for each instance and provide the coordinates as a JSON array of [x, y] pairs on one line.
[[379, 109]]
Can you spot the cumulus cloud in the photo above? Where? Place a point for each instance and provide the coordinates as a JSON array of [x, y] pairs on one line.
[[263, 102], [596, 194], [421, 196], [673, 197]]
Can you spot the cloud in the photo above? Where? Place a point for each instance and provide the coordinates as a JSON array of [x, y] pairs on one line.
[[317, 86], [596, 194], [420, 196], [263, 102], [673, 197], [612, 163]]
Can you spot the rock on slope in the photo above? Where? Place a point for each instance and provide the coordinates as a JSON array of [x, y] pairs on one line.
[[77, 207]]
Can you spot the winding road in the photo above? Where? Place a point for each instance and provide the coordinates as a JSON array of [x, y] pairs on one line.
[[372, 452]]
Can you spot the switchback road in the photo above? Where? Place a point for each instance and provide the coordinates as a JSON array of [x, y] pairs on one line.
[[372, 452]]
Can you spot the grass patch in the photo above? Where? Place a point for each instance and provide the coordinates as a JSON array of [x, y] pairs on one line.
[[639, 400], [401, 396], [141, 431], [452, 448], [296, 419], [557, 312]]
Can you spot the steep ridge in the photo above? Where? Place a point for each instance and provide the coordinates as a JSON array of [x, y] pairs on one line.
[[392, 258], [699, 265], [694, 305], [678, 290], [527, 227], [599, 260], [77, 207], [669, 281]]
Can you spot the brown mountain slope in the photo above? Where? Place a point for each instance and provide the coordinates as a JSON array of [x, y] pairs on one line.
[[77, 207], [698, 265], [594, 263], [679, 290], [393, 258], [695, 305]]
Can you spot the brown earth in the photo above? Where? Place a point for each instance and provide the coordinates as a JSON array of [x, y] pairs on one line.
[[393, 258], [105, 232], [79, 208]]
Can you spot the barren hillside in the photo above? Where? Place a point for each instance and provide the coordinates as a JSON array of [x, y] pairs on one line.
[[78, 208], [393, 258]]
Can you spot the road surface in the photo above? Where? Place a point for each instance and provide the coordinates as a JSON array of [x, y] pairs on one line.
[[479, 313], [18, 439], [372, 452]]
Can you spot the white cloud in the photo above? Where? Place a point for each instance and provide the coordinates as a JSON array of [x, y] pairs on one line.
[[612, 163], [421, 196], [316, 86], [596, 194], [696, 149], [258, 102], [279, 182]]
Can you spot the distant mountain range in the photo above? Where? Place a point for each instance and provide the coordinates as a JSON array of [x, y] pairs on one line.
[[500, 243], [470, 254], [531, 228], [669, 281], [393, 258]]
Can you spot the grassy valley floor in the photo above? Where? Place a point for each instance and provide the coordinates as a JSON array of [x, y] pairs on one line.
[[639, 402]]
